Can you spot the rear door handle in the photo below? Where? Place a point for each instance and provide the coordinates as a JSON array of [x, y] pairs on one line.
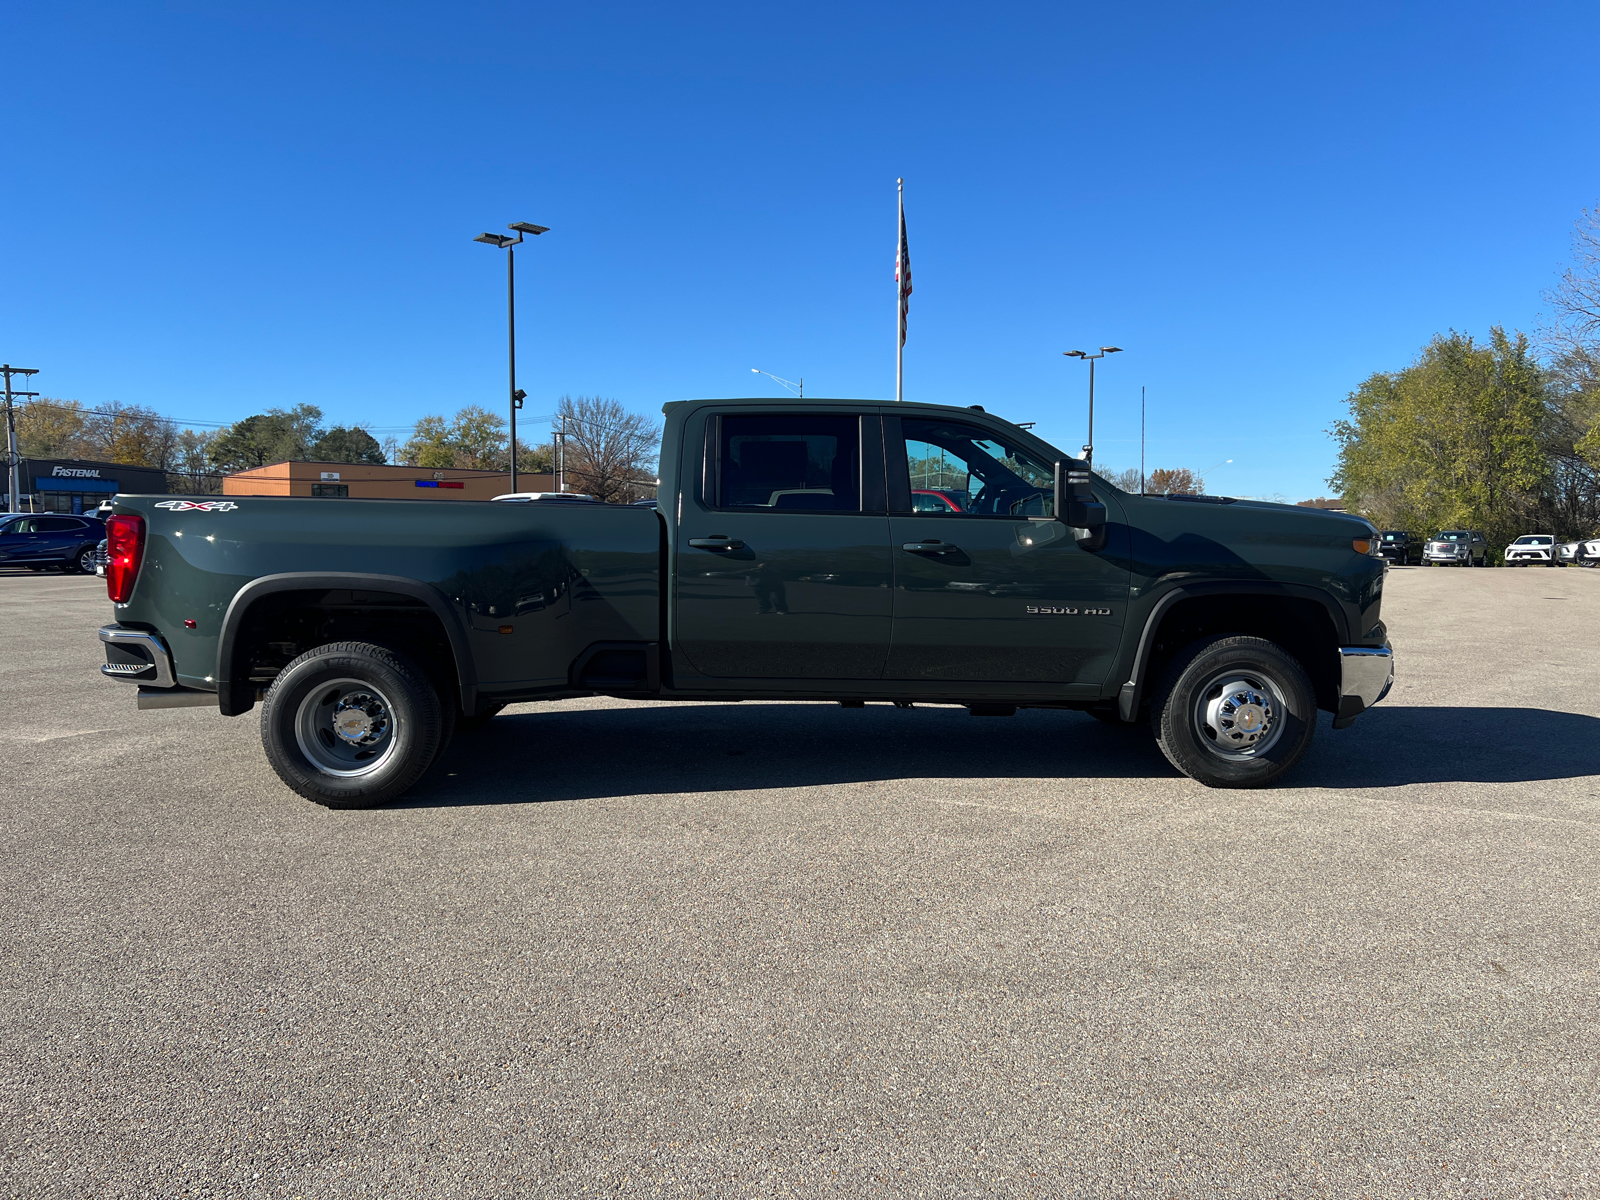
[[931, 546], [716, 543]]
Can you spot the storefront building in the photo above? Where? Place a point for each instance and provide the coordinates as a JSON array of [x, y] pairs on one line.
[[364, 481], [75, 485]]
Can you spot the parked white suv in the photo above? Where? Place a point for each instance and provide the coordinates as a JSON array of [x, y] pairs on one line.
[[1532, 548]]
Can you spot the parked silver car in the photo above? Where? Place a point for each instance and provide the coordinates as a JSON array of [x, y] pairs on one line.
[[1567, 553], [1532, 549], [1589, 553], [1456, 548]]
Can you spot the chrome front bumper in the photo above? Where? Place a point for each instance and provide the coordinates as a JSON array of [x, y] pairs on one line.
[[1366, 673]]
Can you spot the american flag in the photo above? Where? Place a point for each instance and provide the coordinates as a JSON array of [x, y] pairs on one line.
[[902, 274]]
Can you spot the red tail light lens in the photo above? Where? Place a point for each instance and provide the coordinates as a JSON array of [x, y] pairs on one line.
[[124, 552]]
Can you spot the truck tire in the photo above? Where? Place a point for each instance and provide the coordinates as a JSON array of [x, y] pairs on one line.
[[351, 725], [1234, 712]]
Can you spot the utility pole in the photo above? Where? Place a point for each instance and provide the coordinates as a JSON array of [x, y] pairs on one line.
[[561, 455], [13, 459]]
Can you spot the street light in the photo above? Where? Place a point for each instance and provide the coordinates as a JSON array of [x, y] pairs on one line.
[[1088, 450], [505, 243], [1201, 476], [799, 389]]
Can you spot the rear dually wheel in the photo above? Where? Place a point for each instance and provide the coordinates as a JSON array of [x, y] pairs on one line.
[[351, 724]]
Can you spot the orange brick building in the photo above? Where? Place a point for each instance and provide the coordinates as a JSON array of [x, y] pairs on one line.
[[362, 481]]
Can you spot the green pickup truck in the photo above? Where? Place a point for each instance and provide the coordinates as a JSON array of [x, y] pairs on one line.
[[841, 551]]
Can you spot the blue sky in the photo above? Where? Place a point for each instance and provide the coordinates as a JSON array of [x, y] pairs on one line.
[[215, 211]]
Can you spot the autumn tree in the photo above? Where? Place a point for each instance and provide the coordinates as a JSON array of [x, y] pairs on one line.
[[51, 429], [1171, 481]]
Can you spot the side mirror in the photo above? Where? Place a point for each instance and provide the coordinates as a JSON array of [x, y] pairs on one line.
[[1076, 506]]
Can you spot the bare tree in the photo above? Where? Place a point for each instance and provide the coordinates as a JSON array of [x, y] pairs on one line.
[[611, 453], [1124, 481], [1576, 296]]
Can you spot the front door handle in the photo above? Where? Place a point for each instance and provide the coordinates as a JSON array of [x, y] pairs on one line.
[[931, 546], [716, 543]]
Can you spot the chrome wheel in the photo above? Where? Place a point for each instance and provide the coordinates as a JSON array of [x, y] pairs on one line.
[[345, 728], [1239, 714]]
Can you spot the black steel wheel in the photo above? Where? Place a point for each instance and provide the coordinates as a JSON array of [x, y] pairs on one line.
[[351, 724], [1234, 712]]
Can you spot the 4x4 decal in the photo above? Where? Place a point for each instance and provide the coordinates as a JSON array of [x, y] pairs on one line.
[[198, 505]]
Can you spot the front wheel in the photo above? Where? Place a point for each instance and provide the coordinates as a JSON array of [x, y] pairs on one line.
[[351, 724], [1234, 712]]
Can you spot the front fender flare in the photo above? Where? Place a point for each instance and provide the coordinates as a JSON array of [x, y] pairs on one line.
[[1131, 693]]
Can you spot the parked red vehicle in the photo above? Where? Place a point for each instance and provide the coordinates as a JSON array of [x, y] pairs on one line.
[[936, 500]]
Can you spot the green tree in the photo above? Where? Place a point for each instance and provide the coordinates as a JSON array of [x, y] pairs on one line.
[[430, 444], [1452, 441], [479, 437], [343, 444], [474, 439], [278, 435]]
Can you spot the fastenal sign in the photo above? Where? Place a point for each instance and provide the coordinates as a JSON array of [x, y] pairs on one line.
[[75, 472]]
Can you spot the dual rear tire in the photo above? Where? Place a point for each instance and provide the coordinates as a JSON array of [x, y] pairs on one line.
[[353, 725]]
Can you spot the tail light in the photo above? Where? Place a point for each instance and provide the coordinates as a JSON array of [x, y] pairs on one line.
[[124, 552]]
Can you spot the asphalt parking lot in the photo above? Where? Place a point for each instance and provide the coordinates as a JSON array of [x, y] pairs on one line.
[[751, 950]]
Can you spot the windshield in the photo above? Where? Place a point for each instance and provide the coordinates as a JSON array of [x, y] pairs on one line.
[[1533, 540], [1454, 535], [1394, 535]]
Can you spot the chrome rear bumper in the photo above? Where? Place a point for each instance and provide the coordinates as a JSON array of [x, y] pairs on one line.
[[136, 655], [1366, 673]]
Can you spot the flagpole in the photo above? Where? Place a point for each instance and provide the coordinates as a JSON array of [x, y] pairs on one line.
[[899, 301]]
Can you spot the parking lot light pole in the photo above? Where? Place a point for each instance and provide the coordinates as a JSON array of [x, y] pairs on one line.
[[1088, 449], [507, 243]]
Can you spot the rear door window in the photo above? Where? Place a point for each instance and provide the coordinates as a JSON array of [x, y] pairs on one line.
[[787, 463]]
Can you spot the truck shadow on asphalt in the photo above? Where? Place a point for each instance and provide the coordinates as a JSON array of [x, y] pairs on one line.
[[535, 757], [565, 754], [1395, 745]]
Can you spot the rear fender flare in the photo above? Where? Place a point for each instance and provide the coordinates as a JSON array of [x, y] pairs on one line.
[[234, 697]]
